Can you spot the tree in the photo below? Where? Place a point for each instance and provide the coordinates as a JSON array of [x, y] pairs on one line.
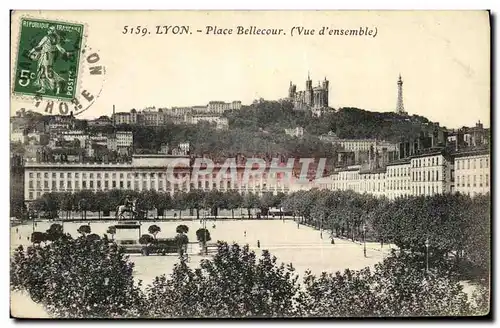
[[112, 231], [154, 229], [54, 232], [214, 200], [235, 283], [233, 201], [179, 202], [100, 275], [203, 236], [66, 201], [164, 202], [93, 237], [38, 237], [84, 230], [182, 228], [266, 201], [146, 239], [250, 201], [195, 200]]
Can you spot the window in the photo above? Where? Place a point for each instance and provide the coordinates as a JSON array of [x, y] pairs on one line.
[[77, 184], [480, 163], [480, 180], [129, 184], [468, 164], [46, 175], [468, 181], [106, 184], [113, 183], [144, 175], [77, 175], [54, 185], [160, 184], [31, 184], [91, 184], [474, 181], [463, 180], [91, 175], [437, 175], [38, 175], [84, 184], [473, 163], [31, 174], [84, 175], [46, 184], [98, 175], [486, 163], [69, 175], [144, 186], [458, 181], [61, 184], [429, 176], [113, 175], [486, 180], [61, 175], [69, 184]]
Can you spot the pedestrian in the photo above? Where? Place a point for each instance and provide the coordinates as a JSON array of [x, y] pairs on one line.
[[258, 243], [333, 241]]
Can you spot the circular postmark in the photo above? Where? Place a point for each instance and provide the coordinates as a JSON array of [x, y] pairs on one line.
[[55, 68]]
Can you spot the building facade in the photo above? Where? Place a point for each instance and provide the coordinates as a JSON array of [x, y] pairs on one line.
[[150, 172], [425, 174], [472, 172]]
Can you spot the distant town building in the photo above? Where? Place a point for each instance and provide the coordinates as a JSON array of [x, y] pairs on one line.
[[221, 123], [297, 132]]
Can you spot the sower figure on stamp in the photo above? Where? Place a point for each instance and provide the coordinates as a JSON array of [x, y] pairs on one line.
[[45, 54]]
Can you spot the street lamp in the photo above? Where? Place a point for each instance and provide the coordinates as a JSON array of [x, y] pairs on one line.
[[364, 240], [427, 254]]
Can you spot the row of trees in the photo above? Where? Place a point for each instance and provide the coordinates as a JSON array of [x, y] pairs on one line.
[[455, 226], [84, 278], [195, 200]]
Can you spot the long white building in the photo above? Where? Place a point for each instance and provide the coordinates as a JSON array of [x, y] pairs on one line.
[[149, 172]]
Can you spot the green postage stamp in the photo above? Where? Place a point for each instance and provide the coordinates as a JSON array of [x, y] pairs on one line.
[[48, 59]]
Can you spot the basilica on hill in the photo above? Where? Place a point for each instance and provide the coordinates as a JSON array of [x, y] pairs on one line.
[[312, 98]]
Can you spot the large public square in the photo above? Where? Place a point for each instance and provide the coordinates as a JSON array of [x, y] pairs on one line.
[[303, 246]]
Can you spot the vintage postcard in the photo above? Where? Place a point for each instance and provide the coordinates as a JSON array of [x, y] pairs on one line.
[[250, 164]]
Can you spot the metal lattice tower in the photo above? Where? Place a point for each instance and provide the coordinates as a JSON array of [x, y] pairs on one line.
[[400, 108]]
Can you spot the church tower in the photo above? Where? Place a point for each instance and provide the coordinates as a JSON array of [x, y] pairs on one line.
[[309, 91], [326, 85], [400, 108]]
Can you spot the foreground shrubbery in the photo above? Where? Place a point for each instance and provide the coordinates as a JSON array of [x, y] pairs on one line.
[[93, 278], [81, 277]]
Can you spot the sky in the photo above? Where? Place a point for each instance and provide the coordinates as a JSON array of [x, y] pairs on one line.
[[443, 58]]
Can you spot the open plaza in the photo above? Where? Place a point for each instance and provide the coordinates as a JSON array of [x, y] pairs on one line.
[[304, 247]]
